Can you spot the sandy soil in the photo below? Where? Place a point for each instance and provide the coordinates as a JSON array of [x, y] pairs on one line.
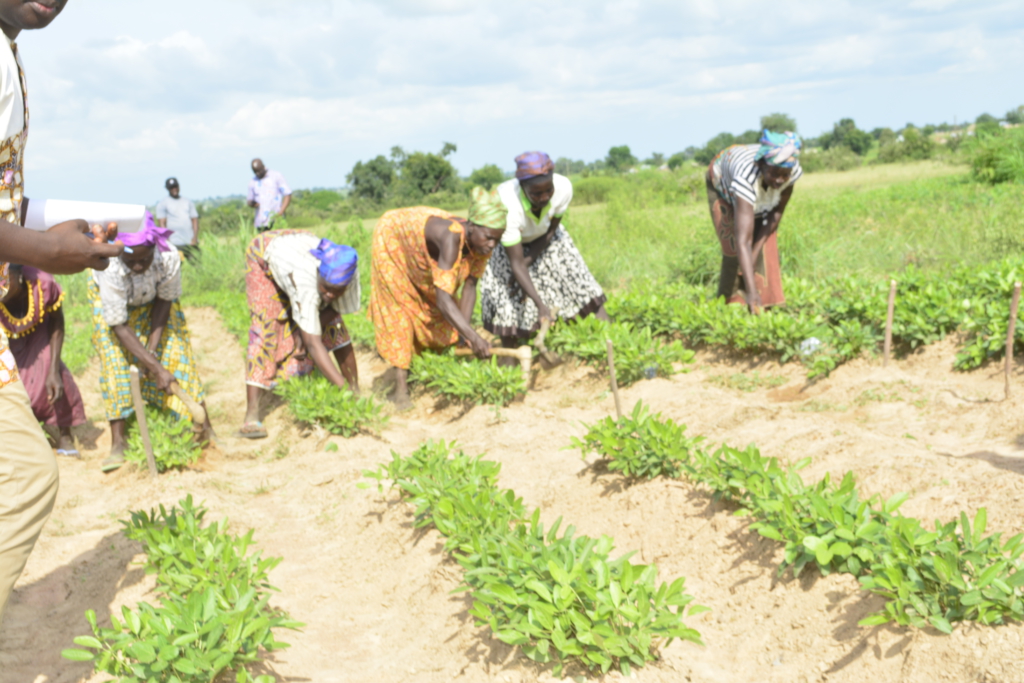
[[375, 595]]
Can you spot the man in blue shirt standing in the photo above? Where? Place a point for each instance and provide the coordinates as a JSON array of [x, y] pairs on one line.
[[269, 194], [179, 215]]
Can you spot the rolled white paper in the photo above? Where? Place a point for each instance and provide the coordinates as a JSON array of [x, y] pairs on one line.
[[43, 214]]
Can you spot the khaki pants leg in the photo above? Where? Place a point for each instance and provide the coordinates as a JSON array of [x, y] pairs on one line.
[[28, 484]]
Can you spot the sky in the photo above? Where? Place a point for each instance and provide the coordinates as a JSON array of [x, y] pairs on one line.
[[125, 93]]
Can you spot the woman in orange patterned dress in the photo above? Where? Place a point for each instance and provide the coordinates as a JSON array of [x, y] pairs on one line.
[[421, 258]]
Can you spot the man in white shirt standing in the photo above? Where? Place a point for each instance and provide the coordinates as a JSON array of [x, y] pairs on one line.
[[269, 194], [179, 215]]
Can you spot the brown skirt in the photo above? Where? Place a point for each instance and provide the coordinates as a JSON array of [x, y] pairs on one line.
[[767, 274]]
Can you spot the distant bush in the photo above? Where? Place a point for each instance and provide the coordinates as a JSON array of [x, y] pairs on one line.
[[834, 159], [913, 146], [649, 187], [999, 158]]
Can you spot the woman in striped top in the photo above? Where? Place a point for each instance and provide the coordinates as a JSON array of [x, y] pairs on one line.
[[748, 188]]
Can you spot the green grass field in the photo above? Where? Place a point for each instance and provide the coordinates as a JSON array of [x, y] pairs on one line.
[[872, 221]]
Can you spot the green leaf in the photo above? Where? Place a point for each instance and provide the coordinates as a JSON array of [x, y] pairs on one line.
[[941, 624], [88, 641], [77, 655], [504, 593]]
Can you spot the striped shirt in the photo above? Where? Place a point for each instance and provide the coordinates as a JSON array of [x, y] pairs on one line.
[[294, 269], [737, 175]]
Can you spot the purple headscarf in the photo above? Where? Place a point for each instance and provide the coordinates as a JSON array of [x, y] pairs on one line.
[[531, 164], [150, 235], [337, 262]]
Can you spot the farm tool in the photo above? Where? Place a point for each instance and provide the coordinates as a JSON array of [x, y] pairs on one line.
[[524, 353], [551, 358], [140, 415]]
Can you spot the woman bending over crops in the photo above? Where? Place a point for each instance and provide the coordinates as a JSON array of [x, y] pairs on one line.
[[137, 319], [33, 319], [748, 188], [298, 287], [421, 258], [538, 265]]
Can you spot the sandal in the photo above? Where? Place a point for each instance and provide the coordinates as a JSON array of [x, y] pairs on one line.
[[69, 452], [252, 430], [113, 462]]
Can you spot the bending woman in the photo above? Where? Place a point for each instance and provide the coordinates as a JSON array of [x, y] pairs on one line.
[[539, 266], [748, 189], [298, 286], [137, 319], [32, 316], [421, 259]]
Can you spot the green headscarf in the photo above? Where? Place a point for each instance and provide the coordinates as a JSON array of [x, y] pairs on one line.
[[487, 210]]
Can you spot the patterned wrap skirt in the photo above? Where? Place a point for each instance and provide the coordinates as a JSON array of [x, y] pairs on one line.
[[174, 352], [767, 272], [560, 276], [276, 352]]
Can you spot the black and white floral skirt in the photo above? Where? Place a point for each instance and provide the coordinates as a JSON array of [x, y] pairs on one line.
[[560, 276]]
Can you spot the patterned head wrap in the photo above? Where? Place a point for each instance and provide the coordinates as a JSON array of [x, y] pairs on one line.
[[487, 209], [532, 164], [151, 235], [337, 262], [780, 149]]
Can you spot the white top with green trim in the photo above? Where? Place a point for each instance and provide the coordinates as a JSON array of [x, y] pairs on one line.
[[522, 225]]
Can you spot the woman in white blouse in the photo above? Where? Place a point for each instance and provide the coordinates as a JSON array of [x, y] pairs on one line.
[[538, 266], [137, 320], [298, 287]]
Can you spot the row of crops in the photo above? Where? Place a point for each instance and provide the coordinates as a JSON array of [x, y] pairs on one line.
[[846, 315], [214, 613], [560, 597]]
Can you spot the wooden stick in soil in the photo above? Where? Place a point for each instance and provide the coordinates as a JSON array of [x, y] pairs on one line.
[[615, 384], [140, 415], [1011, 331], [887, 347]]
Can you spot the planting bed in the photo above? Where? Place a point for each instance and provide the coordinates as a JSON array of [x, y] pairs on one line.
[[375, 591]]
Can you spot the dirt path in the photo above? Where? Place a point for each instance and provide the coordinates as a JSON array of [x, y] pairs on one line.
[[375, 595]]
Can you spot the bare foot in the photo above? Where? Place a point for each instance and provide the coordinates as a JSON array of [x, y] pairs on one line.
[[65, 442], [402, 402]]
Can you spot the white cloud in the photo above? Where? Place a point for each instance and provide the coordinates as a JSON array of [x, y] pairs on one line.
[[200, 87]]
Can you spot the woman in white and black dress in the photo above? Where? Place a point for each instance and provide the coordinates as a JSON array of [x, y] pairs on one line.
[[538, 267]]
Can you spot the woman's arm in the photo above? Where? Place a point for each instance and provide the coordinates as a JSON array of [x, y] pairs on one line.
[[322, 359], [158, 322], [521, 273], [448, 244], [743, 212], [146, 358], [772, 223], [54, 382]]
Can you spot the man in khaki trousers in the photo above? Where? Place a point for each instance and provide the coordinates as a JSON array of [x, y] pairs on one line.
[[28, 469]]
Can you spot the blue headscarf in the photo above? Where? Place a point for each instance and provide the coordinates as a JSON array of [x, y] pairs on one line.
[[337, 262], [780, 149]]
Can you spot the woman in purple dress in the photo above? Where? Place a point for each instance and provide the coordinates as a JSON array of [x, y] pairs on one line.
[[32, 317]]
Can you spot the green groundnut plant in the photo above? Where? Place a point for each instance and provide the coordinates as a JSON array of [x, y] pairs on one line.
[[468, 379], [314, 400], [214, 614], [846, 314], [639, 353], [174, 446], [561, 598], [938, 576]]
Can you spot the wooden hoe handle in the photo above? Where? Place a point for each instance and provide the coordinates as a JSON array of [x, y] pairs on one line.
[[523, 353], [198, 412]]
